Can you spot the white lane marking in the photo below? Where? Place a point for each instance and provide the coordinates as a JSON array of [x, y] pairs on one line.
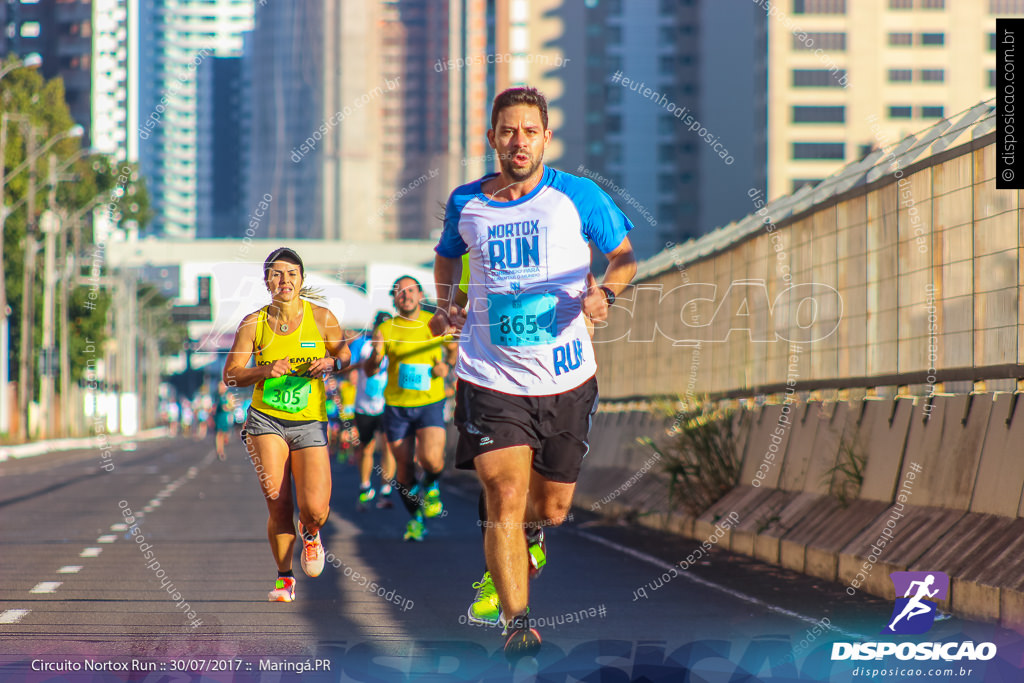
[[644, 557], [155, 502], [118, 527], [109, 538], [12, 616], [70, 569], [90, 552], [45, 587]]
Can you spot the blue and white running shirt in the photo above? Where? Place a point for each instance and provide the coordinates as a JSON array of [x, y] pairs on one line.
[[525, 333], [369, 390]]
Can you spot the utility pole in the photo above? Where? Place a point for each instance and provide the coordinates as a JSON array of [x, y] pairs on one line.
[[50, 224], [67, 276], [5, 330], [25, 376]]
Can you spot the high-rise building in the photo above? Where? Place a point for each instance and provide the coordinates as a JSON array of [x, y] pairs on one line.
[[415, 36], [644, 100], [177, 36], [115, 86], [351, 135], [845, 77], [61, 33], [220, 120]]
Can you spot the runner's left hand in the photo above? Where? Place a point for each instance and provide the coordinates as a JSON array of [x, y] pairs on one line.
[[595, 303], [321, 367]]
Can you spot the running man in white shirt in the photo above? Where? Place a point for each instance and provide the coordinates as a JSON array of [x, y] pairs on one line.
[[526, 367]]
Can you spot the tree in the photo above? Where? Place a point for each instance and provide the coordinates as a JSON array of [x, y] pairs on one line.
[[36, 113]]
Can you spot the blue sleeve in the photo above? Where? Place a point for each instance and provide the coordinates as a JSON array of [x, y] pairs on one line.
[[603, 222], [355, 347], [451, 244]]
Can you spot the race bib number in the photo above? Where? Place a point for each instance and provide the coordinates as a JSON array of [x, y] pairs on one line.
[[524, 320], [375, 385], [287, 393], [415, 376]]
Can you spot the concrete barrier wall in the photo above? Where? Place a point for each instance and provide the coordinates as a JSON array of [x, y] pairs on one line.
[[941, 491], [855, 281]]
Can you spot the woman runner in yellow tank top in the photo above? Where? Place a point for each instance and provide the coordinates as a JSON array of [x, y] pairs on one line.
[[294, 343]]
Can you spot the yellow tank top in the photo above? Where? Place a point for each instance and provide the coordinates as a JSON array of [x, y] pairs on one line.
[[304, 397], [347, 393], [412, 353]]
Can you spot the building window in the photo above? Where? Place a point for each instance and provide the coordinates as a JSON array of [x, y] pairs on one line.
[[819, 6], [901, 4], [666, 182], [826, 41], [807, 114], [900, 75], [30, 29], [901, 112], [991, 78], [818, 78], [933, 4], [935, 112], [991, 42], [819, 150], [933, 75], [901, 39], [1006, 7], [933, 38]]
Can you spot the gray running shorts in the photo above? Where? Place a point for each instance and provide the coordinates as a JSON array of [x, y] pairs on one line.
[[298, 434]]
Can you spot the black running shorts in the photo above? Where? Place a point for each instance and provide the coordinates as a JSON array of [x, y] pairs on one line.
[[555, 427], [368, 426]]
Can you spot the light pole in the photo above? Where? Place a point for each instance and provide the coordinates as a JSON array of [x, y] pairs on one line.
[[68, 276], [31, 61], [31, 248]]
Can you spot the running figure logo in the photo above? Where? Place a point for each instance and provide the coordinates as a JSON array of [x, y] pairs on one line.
[[914, 613]]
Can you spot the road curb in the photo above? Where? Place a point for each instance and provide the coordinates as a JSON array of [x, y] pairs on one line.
[[30, 450]]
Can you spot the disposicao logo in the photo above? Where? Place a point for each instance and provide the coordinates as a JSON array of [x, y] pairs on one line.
[[913, 614]]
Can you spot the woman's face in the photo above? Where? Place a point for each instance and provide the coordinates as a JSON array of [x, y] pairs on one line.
[[284, 281]]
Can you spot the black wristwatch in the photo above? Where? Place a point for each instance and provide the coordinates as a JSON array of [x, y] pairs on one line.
[[338, 365], [609, 294]]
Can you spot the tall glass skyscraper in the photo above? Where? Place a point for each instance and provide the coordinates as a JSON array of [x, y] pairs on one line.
[[177, 37]]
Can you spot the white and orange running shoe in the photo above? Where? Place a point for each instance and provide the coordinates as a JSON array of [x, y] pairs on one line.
[[284, 590], [313, 555]]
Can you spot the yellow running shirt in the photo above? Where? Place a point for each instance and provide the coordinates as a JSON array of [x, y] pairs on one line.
[[290, 397], [412, 353]]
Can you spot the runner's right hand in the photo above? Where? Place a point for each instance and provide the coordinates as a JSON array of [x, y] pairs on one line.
[[448, 323], [280, 367]]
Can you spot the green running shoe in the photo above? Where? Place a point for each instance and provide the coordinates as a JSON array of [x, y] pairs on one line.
[[432, 505], [414, 530], [365, 496], [537, 550], [485, 609]]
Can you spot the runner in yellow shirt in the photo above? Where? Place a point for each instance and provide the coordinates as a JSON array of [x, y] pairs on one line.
[[414, 401], [294, 344]]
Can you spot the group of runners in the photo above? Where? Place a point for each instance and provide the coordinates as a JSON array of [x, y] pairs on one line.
[[515, 308]]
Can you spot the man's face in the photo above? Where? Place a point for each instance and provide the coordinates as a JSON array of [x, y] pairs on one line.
[[520, 140], [407, 296]]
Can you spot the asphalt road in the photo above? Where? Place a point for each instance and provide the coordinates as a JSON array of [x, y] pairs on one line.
[[78, 594]]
